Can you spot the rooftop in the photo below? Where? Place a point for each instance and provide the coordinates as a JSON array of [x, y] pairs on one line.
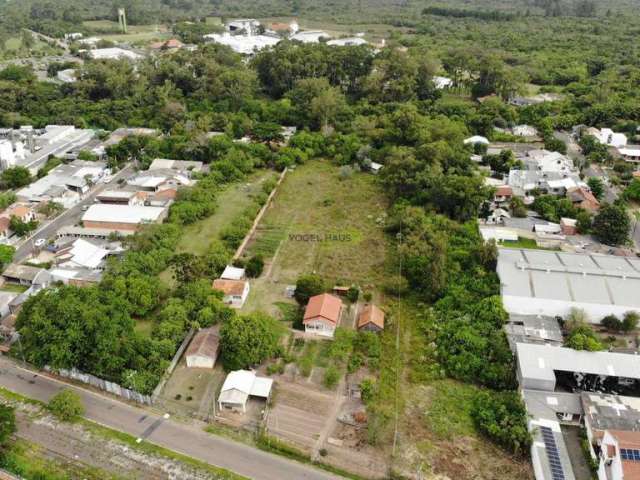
[[371, 314], [205, 343], [326, 306], [606, 412], [541, 362], [229, 287], [122, 214]]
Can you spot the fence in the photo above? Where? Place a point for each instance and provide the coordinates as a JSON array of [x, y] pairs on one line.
[[172, 365], [110, 387]]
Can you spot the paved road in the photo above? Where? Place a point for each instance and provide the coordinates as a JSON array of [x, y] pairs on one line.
[[182, 438], [68, 217]]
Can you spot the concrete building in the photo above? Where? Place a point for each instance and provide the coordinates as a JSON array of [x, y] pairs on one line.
[[533, 329], [122, 197], [160, 179], [31, 148], [176, 165], [121, 217], [232, 273], [203, 349], [239, 386], [67, 76], [244, 44], [442, 82], [310, 36], [113, 53], [347, 42], [65, 184], [235, 291], [539, 367], [537, 282]]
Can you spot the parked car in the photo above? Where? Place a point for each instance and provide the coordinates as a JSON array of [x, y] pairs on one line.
[[40, 242]]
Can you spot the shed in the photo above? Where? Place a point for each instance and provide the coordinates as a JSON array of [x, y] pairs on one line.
[[371, 319], [239, 386], [232, 273], [203, 349]]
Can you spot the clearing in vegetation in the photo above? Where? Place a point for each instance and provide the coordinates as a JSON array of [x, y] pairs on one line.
[[324, 222]]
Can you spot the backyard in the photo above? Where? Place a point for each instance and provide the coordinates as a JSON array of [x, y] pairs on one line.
[[322, 222]]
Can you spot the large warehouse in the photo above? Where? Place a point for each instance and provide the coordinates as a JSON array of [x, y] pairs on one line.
[[539, 282]]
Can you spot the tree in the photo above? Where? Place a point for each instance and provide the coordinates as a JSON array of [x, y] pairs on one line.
[[580, 333], [267, 132], [20, 227], [308, 286], [630, 321], [6, 255], [7, 424], [248, 340], [518, 208], [611, 225], [596, 185], [254, 266], [503, 418], [16, 177], [66, 405]]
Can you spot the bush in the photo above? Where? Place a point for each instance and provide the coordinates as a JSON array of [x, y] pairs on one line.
[[352, 294], [254, 266], [630, 321], [66, 405], [331, 376], [7, 423], [611, 323]]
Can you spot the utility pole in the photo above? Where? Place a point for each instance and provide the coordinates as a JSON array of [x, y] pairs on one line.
[[122, 20]]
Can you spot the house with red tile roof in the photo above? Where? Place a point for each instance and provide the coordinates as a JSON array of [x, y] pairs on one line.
[[371, 319], [235, 291], [322, 315]]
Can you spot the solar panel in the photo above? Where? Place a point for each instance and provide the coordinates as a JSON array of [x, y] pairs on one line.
[[557, 473]]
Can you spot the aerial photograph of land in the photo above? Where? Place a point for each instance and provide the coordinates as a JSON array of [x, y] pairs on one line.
[[319, 240]]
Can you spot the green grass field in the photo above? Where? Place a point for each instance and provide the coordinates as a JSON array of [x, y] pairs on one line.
[[109, 30], [231, 203], [320, 223]]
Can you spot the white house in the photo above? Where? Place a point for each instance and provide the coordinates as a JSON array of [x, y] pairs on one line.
[[235, 291], [322, 315], [239, 386], [203, 349]]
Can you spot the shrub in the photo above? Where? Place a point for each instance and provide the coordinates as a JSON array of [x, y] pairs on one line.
[[352, 294], [307, 286], [612, 323], [66, 405], [331, 376], [630, 321]]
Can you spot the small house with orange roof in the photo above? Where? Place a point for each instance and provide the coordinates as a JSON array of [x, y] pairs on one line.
[[235, 291], [371, 319], [322, 315]]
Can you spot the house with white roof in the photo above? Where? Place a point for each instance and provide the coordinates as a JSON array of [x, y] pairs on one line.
[[244, 44], [232, 273], [310, 36], [476, 139], [113, 53], [442, 82], [239, 386], [347, 42]]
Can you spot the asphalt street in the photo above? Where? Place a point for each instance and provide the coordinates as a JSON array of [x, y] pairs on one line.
[[68, 217], [165, 432]]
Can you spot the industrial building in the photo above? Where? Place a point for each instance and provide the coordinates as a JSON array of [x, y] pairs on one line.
[[538, 282], [31, 148], [121, 217]]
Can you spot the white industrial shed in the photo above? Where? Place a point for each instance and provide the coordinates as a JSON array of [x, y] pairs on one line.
[[538, 282], [537, 364], [239, 386]]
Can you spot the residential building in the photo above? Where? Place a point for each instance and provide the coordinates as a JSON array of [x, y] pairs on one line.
[[5, 231], [76, 276], [203, 349], [583, 198], [503, 195], [239, 386], [171, 44], [606, 136], [630, 153], [67, 76], [538, 282], [568, 226], [235, 291], [159, 179], [22, 211], [247, 26], [82, 253], [371, 319], [122, 197], [375, 167], [322, 315], [524, 131], [121, 217], [24, 274], [442, 82]]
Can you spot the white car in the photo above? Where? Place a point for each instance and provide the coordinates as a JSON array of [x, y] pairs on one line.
[[40, 242]]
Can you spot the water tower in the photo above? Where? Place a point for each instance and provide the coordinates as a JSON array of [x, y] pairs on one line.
[[122, 20]]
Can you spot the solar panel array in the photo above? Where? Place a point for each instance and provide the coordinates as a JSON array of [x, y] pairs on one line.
[[557, 473], [630, 454]]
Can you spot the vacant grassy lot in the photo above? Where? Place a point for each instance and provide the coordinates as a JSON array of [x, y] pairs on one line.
[[231, 203], [320, 222]]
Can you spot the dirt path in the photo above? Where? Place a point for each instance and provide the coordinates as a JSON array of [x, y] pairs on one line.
[[332, 416]]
